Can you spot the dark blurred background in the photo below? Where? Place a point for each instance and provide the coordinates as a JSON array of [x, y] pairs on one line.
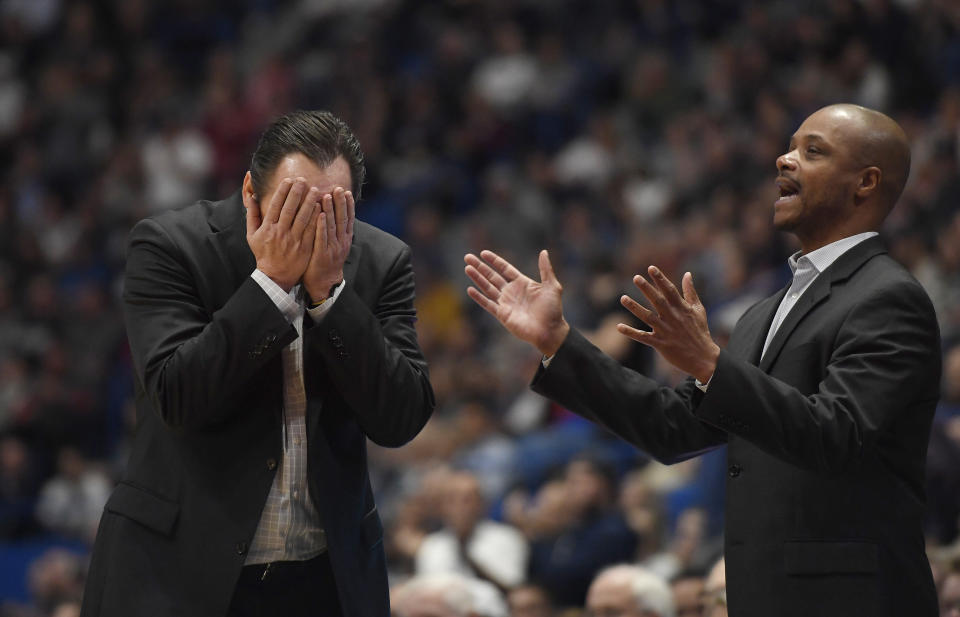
[[616, 133]]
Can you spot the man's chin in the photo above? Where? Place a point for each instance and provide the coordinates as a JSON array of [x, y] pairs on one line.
[[783, 223]]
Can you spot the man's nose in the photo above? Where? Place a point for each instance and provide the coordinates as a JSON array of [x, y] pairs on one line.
[[785, 161]]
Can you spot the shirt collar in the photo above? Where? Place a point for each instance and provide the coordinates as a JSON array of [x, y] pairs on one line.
[[823, 257]]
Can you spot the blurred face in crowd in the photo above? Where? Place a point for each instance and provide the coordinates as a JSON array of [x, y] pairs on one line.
[[612, 596], [463, 504], [817, 176], [529, 601], [950, 596], [586, 486], [715, 592], [688, 596], [426, 604], [951, 375]]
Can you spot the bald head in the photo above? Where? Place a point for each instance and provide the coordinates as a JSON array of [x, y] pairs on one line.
[[875, 140], [843, 172], [630, 590]]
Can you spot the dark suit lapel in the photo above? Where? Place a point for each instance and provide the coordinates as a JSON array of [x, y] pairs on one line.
[[755, 325], [229, 241], [818, 292]]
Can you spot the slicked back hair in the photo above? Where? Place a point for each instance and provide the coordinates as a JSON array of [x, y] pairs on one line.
[[318, 135]]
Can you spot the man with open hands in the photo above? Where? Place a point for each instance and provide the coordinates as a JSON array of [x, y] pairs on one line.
[[824, 395], [271, 334]]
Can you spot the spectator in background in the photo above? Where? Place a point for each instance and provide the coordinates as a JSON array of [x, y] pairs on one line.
[[687, 588], [19, 482], [71, 502], [469, 543], [529, 600], [447, 595], [687, 547], [943, 455], [629, 591], [56, 581], [593, 534], [950, 595], [715, 591]]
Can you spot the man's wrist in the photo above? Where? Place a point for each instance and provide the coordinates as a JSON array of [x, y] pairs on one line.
[[704, 375], [281, 282], [551, 345], [322, 293]]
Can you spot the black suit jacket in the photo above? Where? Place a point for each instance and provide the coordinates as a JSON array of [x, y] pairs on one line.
[[826, 438], [206, 341]]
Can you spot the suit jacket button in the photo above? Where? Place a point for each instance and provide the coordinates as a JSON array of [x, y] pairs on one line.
[[271, 464], [241, 548], [734, 470]]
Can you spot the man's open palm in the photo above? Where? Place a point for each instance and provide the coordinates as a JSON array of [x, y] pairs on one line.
[[529, 310]]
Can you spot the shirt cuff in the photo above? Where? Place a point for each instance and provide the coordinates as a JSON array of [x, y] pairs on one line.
[[285, 301], [545, 361], [317, 312], [702, 386]]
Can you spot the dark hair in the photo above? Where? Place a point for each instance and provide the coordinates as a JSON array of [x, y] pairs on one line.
[[318, 135]]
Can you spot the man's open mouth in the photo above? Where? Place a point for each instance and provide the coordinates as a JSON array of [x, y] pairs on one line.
[[788, 188]]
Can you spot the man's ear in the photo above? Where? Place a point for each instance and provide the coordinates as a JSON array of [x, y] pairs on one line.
[[869, 184], [247, 192]]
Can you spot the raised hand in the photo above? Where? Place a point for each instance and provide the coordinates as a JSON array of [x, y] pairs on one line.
[[529, 310], [331, 244], [679, 324], [281, 238]]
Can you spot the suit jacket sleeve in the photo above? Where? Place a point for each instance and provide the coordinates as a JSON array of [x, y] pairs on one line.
[[373, 359], [656, 418], [885, 362], [191, 364]]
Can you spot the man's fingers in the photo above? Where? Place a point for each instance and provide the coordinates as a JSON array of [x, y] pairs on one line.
[[647, 338], [643, 313], [666, 287], [351, 213], [309, 235], [651, 293], [489, 273], [329, 220], [689, 292], [305, 213], [489, 305], [547, 275], [291, 204], [482, 282], [340, 212], [501, 265], [323, 231], [276, 201], [253, 217]]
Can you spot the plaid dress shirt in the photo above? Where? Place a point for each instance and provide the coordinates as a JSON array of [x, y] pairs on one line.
[[290, 528]]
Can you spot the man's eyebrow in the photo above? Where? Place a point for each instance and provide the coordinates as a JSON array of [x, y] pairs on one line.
[[816, 137]]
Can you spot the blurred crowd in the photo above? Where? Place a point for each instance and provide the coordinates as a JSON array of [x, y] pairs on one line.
[[615, 133]]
